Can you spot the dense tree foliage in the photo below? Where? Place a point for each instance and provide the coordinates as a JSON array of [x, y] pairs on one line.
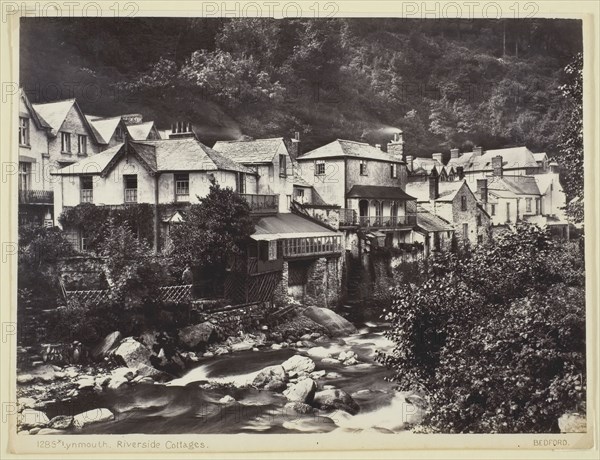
[[450, 83], [495, 337], [214, 230]]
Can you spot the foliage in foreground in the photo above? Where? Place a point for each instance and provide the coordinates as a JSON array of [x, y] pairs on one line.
[[496, 338]]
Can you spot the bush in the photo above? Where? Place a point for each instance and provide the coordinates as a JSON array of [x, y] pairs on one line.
[[496, 337]]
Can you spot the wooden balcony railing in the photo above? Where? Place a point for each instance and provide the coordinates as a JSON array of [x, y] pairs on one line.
[[262, 203], [408, 220], [36, 196], [347, 217], [300, 247]]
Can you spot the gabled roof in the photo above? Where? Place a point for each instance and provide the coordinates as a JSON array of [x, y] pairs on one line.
[[544, 181], [39, 122], [105, 127], [540, 156], [54, 114], [378, 192], [432, 223], [140, 131], [426, 165], [513, 185], [341, 148], [447, 190], [171, 155], [512, 158], [253, 151], [299, 181]]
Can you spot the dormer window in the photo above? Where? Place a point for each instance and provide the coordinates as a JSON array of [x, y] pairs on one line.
[[65, 142], [282, 166]]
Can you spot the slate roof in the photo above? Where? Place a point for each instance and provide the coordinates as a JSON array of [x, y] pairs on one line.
[[512, 158], [105, 127], [341, 148], [540, 156], [37, 118], [54, 113], [252, 151], [432, 223], [426, 165], [140, 131], [513, 185], [378, 192], [187, 154], [448, 190], [288, 225]]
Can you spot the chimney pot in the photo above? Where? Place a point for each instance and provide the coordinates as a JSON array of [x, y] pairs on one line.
[[454, 154], [477, 151]]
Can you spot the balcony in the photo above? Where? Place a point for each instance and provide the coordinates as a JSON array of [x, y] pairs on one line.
[[36, 197], [408, 220], [312, 246], [262, 204]]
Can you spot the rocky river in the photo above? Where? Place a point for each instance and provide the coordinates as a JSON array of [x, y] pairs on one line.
[[303, 388]]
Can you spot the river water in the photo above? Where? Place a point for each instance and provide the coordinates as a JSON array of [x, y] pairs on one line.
[[184, 406]]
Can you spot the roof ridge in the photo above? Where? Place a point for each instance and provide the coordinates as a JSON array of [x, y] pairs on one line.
[[250, 140], [55, 102]]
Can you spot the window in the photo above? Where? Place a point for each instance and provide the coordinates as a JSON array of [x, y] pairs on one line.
[[86, 184], [131, 185], [363, 168], [394, 170], [528, 204], [493, 210], [82, 144], [480, 239], [465, 231], [300, 195], [240, 182], [23, 131], [537, 205], [273, 250], [320, 167], [507, 212], [65, 142], [182, 187], [479, 220], [119, 133], [463, 203], [282, 166], [24, 175]]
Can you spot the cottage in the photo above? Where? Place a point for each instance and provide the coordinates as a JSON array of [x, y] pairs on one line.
[[112, 130]]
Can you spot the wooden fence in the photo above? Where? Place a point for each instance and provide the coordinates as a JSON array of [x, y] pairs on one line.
[[178, 293]]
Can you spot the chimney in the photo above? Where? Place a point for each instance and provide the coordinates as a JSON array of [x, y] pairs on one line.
[[477, 151], [497, 166], [437, 157], [434, 185], [409, 162], [482, 189], [460, 170], [294, 149], [378, 146], [396, 147], [454, 154], [132, 118], [181, 130], [553, 167]]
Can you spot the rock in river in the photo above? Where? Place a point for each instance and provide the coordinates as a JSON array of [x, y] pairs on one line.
[[298, 364], [330, 320], [30, 418], [106, 345], [198, 334], [336, 399], [92, 416], [271, 378], [303, 391], [132, 353]]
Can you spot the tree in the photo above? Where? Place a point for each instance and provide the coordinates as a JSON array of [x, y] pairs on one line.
[[214, 230], [494, 337], [571, 139]]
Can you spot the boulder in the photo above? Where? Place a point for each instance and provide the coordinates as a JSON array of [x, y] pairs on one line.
[[132, 353], [61, 422], [208, 354], [299, 407], [221, 351], [276, 346], [303, 391], [318, 374], [227, 399], [106, 345], [85, 382], [243, 346], [336, 399], [572, 423], [329, 361], [92, 416], [50, 431], [30, 418], [298, 364], [25, 378], [319, 352], [151, 372], [25, 403], [272, 378], [330, 320], [199, 334]]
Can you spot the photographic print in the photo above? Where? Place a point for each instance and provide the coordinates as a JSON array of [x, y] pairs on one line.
[[302, 225]]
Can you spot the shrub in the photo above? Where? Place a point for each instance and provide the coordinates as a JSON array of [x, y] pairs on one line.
[[495, 337]]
